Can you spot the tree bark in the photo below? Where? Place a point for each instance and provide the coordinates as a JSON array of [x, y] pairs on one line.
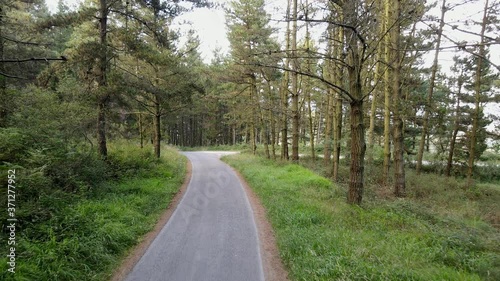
[[399, 169], [449, 163], [295, 92], [387, 96], [284, 92], [358, 148], [141, 133], [3, 80], [378, 75], [477, 99], [307, 86], [337, 102], [328, 127], [253, 93], [264, 129], [371, 127], [272, 119], [157, 127], [358, 143], [101, 81], [337, 135]]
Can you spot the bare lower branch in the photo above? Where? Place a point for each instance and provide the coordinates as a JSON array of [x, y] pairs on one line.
[[62, 58], [24, 42], [342, 91], [12, 76]]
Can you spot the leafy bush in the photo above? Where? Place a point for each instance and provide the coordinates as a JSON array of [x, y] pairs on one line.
[[490, 156], [127, 160]]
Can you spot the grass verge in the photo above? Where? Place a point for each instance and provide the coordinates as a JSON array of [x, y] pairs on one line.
[[320, 237], [85, 235]]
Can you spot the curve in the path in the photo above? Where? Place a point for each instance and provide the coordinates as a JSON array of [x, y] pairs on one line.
[[211, 236]]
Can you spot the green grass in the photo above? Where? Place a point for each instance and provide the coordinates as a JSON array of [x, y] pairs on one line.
[[84, 236], [320, 237]]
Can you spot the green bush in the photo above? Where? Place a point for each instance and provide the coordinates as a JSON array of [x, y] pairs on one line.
[[13, 145], [487, 173], [126, 159]]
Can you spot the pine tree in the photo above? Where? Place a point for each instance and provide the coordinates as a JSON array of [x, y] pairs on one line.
[[249, 36]]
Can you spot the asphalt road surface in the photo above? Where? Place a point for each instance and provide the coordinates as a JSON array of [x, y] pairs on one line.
[[211, 236]]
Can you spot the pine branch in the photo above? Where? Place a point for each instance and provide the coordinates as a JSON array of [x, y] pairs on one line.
[[455, 27], [462, 47], [24, 42], [352, 28], [62, 58], [63, 20], [12, 76], [317, 77]]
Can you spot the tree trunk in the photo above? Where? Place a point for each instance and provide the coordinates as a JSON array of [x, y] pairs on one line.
[[141, 133], [371, 128], [337, 102], [234, 134], [319, 126], [456, 127], [477, 99], [307, 86], [253, 93], [311, 126], [101, 82], [157, 128], [284, 92], [449, 163], [264, 130], [430, 92], [387, 96], [3, 80], [337, 135], [273, 121], [399, 169], [295, 90], [358, 143], [358, 148], [378, 75], [328, 127], [101, 127]]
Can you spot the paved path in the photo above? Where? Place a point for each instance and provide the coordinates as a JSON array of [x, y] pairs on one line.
[[211, 236]]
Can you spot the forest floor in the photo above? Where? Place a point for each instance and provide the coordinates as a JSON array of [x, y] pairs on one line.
[[440, 231]]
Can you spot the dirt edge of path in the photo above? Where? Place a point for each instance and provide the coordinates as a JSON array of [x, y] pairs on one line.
[[273, 267], [138, 251]]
